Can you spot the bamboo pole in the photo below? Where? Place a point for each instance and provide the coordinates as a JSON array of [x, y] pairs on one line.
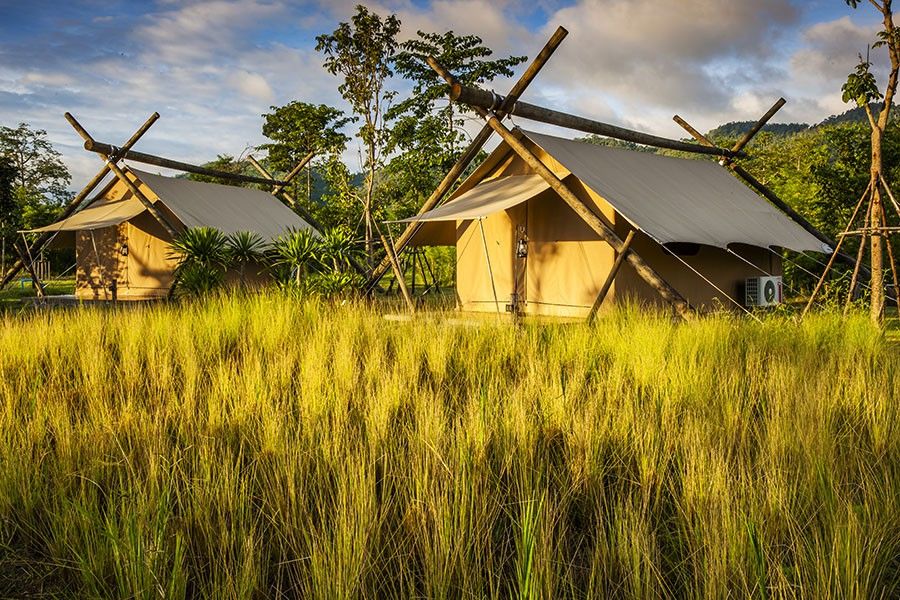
[[771, 196], [859, 257], [398, 272], [290, 176], [124, 179], [469, 155], [70, 208], [29, 266], [601, 295], [167, 163], [478, 98], [758, 125]]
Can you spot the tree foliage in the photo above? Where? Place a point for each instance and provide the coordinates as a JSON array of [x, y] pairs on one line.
[[427, 130], [41, 179]]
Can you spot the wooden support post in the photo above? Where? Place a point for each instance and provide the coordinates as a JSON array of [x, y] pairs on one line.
[[478, 98], [834, 254], [758, 125], [601, 295], [111, 163], [29, 266], [290, 176], [73, 205], [471, 152], [398, 272], [167, 163]]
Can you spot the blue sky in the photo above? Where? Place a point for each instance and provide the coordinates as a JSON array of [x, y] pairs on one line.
[[212, 67]]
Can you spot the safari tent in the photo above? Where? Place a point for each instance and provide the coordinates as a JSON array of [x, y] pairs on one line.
[[521, 248], [123, 249]]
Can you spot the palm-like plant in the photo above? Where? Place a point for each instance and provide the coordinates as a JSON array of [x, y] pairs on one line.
[[202, 255], [338, 248], [245, 248], [295, 251]]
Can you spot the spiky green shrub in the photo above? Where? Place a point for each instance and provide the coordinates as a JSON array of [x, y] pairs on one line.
[[245, 248], [202, 255]]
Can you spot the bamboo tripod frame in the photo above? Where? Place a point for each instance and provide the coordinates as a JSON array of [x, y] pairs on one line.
[[865, 234]]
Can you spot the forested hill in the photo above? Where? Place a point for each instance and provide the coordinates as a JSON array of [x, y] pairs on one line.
[[739, 128]]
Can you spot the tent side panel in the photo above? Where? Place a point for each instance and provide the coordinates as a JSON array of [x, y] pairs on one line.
[[567, 262], [726, 271], [98, 262], [473, 282], [149, 269]]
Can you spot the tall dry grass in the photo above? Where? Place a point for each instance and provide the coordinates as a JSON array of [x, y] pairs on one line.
[[256, 447]]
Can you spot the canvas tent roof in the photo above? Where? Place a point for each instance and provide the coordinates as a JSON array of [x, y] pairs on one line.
[[224, 207], [670, 199], [195, 204]]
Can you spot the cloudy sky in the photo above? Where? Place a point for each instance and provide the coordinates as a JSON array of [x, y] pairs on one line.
[[212, 67]]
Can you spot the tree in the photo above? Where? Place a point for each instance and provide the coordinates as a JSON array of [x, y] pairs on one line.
[[427, 129], [362, 52], [861, 87], [298, 128], [41, 179], [10, 213], [227, 164]]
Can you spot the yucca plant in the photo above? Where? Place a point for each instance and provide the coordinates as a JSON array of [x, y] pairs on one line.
[[245, 248], [295, 251], [338, 248], [202, 255]]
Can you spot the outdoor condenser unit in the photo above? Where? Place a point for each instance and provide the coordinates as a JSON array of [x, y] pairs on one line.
[[762, 291]]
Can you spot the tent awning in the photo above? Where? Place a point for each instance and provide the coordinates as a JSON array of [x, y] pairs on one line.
[[97, 216], [486, 198]]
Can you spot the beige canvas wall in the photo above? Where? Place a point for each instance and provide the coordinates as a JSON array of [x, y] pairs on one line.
[[98, 262]]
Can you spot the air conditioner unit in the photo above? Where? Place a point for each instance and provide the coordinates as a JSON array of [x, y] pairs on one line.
[[762, 291]]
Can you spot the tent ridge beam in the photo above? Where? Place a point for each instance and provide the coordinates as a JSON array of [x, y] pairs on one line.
[[167, 163], [482, 99]]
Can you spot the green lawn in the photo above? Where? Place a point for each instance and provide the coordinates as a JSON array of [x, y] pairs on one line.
[[265, 447]]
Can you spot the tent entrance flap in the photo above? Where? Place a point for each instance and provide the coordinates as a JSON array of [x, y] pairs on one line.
[[97, 216], [486, 199]]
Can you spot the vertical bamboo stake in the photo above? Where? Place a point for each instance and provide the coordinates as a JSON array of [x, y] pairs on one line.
[[601, 295]]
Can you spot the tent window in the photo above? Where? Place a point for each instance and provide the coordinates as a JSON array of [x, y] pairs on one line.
[[683, 248]]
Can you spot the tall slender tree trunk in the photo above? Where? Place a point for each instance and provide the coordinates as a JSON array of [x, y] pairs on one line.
[[367, 207], [877, 303]]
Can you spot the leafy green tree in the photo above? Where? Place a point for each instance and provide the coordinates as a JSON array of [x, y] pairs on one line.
[[427, 130], [41, 179], [294, 253], [362, 52], [10, 212], [298, 128]]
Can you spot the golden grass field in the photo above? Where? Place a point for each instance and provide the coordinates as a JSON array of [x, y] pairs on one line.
[[261, 447]]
